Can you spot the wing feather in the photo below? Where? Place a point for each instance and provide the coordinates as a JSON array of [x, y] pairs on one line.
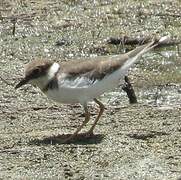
[[84, 73]]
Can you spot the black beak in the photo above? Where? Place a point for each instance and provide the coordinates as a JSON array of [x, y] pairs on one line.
[[21, 83]]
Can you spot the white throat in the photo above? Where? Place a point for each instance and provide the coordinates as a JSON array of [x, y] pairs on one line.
[[53, 70]]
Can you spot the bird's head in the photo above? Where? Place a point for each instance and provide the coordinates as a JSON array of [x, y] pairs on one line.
[[38, 73]]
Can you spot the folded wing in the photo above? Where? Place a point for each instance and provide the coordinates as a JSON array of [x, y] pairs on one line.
[[84, 73]]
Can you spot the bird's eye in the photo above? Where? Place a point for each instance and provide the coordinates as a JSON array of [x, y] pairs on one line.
[[36, 71]]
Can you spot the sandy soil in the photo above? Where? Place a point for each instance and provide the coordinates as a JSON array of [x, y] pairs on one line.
[[141, 141]]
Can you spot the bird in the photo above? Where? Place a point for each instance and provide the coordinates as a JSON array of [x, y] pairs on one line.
[[82, 80]]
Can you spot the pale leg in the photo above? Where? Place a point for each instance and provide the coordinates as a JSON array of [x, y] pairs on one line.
[[101, 106], [87, 118]]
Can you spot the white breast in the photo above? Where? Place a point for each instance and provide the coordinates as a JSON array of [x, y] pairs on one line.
[[65, 95], [70, 95], [82, 90]]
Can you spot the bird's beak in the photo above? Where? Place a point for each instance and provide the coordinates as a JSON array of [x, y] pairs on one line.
[[22, 82]]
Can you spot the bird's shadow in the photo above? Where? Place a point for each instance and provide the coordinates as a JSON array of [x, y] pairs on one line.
[[59, 139]]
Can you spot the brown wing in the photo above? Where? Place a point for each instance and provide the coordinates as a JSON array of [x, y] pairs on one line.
[[94, 68], [83, 73]]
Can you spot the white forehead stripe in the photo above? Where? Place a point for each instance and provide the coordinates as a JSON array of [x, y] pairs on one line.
[[53, 70]]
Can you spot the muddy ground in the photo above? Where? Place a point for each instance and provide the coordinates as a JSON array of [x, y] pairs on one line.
[[141, 141]]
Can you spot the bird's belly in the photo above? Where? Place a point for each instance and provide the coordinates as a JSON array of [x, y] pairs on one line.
[[82, 95], [73, 95], [67, 95]]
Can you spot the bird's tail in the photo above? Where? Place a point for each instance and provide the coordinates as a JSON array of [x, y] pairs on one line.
[[135, 54], [110, 81]]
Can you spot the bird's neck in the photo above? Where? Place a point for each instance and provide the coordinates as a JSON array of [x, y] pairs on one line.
[[51, 79], [53, 70]]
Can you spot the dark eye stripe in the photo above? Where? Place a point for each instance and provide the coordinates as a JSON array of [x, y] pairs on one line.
[[37, 72]]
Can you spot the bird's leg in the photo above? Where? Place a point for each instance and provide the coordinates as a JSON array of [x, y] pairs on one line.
[[101, 106], [87, 118]]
